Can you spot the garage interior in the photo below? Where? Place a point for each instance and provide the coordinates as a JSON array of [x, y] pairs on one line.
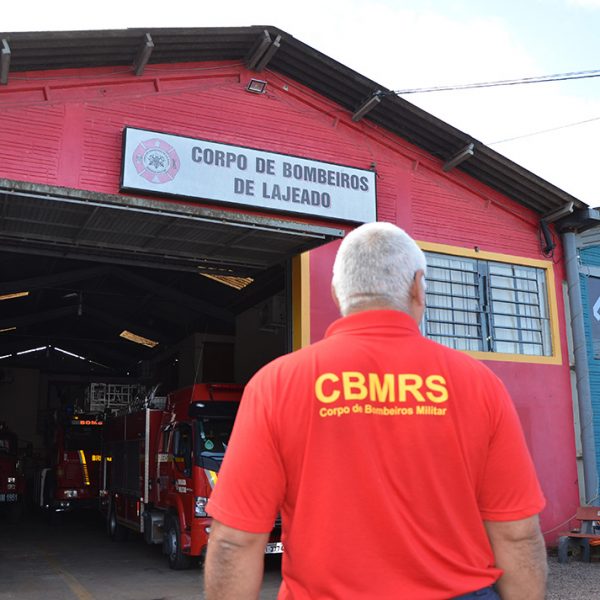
[[116, 289]]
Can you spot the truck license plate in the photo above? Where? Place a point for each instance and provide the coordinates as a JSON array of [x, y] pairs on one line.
[[274, 548]]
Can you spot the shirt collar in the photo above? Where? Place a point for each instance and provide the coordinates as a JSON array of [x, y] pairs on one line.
[[374, 320]]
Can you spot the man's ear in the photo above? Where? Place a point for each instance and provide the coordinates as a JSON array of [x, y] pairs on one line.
[[420, 285], [417, 295], [335, 298]]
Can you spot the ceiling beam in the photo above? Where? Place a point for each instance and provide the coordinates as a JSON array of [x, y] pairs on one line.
[[367, 105], [38, 317], [459, 157], [257, 51], [143, 55], [268, 55], [190, 302], [124, 322], [49, 281]]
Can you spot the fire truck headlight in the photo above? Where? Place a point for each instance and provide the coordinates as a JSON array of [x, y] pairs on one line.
[[70, 494], [200, 506]]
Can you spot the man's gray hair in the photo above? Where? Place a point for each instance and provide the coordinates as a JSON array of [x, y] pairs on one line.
[[375, 267]]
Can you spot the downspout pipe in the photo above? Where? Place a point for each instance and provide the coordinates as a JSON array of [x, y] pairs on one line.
[[582, 375]]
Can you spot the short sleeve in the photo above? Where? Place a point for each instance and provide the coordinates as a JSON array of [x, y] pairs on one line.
[[251, 482], [510, 490]]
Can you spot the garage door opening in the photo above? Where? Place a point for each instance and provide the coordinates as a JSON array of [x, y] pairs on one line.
[[136, 294]]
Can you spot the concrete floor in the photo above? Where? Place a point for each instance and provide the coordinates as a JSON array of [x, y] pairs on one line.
[[73, 559]]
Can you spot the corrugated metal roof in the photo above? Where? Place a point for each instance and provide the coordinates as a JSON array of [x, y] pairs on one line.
[[132, 263], [294, 59], [148, 232]]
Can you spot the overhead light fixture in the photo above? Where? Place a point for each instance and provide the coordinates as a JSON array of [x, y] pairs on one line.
[[138, 339], [69, 353], [8, 329], [15, 295], [238, 283], [460, 157], [256, 86], [31, 350]]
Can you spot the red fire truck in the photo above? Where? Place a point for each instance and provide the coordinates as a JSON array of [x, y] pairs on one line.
[[161, 465], [12, 481], [73, 477]]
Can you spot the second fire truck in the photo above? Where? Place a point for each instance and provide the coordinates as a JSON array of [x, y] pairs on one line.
[[71, 480]]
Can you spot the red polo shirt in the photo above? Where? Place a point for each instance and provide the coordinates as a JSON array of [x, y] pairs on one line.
[[383, 451]]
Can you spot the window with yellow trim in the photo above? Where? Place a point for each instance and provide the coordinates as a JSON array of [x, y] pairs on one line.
[[487, 306]]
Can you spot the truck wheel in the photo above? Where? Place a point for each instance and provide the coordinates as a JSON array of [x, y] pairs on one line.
[[116, 531], [177, 559]]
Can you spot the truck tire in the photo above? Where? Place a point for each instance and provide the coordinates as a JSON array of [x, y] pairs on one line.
[[48, 492], [172, 544], [116, 531]]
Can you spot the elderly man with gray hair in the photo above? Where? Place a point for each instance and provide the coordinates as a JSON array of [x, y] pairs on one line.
[[398, 465]]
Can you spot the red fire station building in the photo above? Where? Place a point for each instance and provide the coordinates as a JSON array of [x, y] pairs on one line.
[[243, 155]]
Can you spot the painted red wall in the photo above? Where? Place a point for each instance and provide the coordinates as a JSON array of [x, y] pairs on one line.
[[65, 128], [450, 209]]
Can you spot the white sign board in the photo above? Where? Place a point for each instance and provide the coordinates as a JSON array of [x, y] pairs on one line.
[[172, 165]]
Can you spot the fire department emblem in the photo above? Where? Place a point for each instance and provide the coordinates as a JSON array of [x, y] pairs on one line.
[[156, 161]]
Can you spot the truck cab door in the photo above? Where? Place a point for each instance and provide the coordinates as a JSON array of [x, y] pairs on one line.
[[164, 465], [175, 462], [182, 450]]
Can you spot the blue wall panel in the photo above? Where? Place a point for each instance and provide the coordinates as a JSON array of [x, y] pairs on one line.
[[591, 257]]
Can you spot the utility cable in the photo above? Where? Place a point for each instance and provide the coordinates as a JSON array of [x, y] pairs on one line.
[[502, 82], [525, 135]]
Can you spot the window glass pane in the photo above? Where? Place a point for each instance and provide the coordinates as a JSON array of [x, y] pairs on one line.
[[506, 334], [531, 349], [519, 310], [453, 314], [508, 348]]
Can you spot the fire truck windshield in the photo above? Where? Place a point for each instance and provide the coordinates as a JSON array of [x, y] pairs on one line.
[[8, 444], [211, 439], [83, 437]]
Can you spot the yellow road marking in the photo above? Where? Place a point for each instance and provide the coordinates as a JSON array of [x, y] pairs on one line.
[[71, 581]]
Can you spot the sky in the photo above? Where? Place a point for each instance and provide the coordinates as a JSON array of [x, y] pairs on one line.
[[407, 44]]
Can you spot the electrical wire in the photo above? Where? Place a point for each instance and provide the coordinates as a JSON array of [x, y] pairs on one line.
[[503, 82], [559, 525], [526, 135]]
